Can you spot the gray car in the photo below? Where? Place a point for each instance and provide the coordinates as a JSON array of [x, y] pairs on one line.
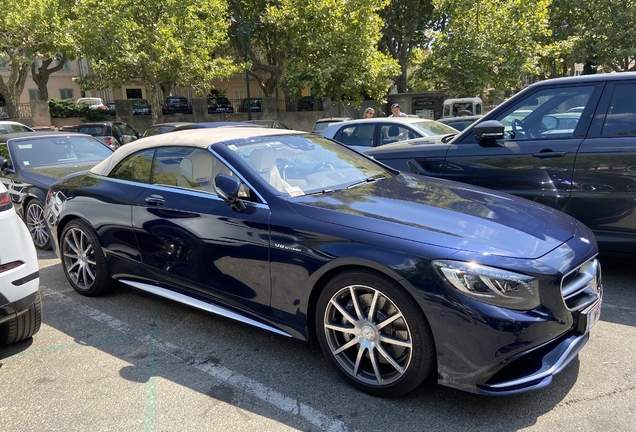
[[365, 134]]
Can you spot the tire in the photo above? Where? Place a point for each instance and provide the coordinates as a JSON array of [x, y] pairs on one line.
[[83, 260], [381, 360], [35, 222], [23, 326]]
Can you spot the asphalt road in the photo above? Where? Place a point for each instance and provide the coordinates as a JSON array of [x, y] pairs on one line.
[[133, 362]]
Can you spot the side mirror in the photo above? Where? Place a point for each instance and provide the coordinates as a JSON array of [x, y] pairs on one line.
[[4, 164], [488, 131], [227, 188]]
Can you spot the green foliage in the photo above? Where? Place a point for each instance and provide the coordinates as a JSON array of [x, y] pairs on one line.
[[486, 43], [334, 47], [64, 108], [159, 42]]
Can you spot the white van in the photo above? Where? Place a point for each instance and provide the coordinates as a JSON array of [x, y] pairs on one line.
[[462, 106]]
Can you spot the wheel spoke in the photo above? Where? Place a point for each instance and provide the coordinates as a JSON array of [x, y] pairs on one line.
[[394, 341], [72, 245], [344, 347], [340, 328], [358, 360], [384, 353], [374, 305], [389, 320], [356, 304], [376, 368], [345, 313]]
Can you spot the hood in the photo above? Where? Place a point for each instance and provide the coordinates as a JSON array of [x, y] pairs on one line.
[[46, 176], [444, 213]]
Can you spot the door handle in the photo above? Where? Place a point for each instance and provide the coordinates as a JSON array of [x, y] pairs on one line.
[[155, 200], [549, 154]]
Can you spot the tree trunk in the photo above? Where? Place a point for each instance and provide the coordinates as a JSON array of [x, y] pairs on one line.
[[42, 74], [12, 89]]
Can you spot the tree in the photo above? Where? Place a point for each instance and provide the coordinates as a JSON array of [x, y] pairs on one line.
[[485, 43], [158, 42], [407, 25], [333, 48], [28, 29]]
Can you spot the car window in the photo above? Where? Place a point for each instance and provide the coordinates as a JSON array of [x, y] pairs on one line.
[[135, 167], [306, 164], [7, 128], [430, 128], [621, 115], [544, 114], [357, 135], [93, 130], [127, 130], [58, 150], [4, 152], [393, 133]]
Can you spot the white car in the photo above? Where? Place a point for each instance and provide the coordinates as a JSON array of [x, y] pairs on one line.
[[7, 126], [92, 102], [20, 301]]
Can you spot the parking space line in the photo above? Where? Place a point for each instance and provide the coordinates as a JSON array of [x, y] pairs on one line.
[[236, 380]]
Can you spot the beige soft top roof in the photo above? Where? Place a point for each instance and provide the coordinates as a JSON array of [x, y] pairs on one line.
[[201, 138]]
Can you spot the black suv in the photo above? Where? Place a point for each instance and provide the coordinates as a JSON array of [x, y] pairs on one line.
[[177, 105], [569, 143], [219, 105]]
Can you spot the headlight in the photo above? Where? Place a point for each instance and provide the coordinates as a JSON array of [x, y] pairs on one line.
[[491, 285]]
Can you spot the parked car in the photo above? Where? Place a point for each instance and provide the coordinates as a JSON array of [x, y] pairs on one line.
[[322, 123], [461, 122], [275, 124], [219, 105], [92, 102], [115, 134], [140, 107], [161, 128], [20, 301], [364, 134], [582, 163], [254, 103], [177, 105], [212, 125], [306, 103], [398, 276], [31, 161], [7, 126]]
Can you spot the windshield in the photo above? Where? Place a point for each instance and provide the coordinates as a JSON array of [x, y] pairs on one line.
[[432, 128], [306, 164], [6, 128], [48, 151]]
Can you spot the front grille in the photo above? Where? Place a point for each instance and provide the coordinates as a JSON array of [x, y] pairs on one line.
[[580, 287]]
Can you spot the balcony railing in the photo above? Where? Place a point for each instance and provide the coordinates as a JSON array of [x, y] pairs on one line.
[[23, 111]]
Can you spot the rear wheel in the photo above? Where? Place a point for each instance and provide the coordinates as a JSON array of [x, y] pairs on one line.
[[35, 222], [374, 334], [83, 260], [23, 326]]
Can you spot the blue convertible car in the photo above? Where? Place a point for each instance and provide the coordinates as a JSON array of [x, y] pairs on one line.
[[396, 276]]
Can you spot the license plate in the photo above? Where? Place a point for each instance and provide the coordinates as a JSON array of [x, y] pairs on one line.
[[592, 314]]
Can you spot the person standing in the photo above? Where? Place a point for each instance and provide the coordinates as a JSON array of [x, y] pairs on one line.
[[395, 111], [369, 113]]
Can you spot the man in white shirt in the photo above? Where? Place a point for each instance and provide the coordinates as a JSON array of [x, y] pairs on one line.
[[395, 110]]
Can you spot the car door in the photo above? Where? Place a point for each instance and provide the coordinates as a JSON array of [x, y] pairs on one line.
[[358, 136], [188, 234], [604, 192], [534, 160], [125, 133]]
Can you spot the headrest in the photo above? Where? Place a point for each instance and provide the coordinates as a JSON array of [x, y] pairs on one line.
[[263, 160], [394, 130], [197, 168]]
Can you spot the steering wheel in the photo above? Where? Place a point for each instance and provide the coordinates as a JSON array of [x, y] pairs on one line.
[[517, 128], [322, 165]]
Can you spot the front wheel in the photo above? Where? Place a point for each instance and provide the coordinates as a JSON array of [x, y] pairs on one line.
[[374, 334], [83, 260], [35, 222]]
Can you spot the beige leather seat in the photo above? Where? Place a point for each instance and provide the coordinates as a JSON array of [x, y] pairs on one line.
[[264, 162], [196, 172]]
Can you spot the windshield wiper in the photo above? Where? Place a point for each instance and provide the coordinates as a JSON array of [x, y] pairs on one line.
[[365, 181], [320, 192], [448, 137]]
